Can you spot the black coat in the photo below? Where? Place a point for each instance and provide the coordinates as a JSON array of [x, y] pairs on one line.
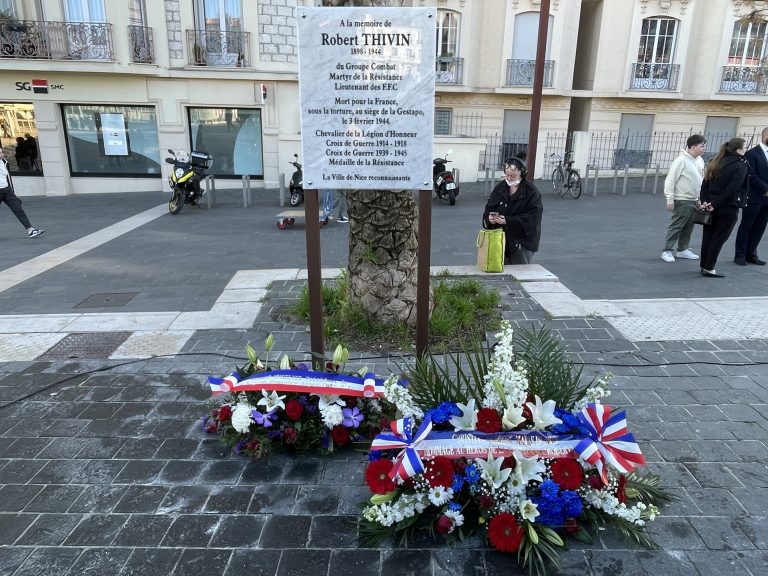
[[522, 210], [758, 175], [731, 185]]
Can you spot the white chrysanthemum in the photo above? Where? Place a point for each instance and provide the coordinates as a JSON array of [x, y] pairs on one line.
[[332, 415], [440, 495], [241, 417], [456, 516]]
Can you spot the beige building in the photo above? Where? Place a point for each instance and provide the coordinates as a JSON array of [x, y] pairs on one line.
[[104, 87]]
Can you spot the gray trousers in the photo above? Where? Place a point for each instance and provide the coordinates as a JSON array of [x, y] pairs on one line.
[[681, 226]]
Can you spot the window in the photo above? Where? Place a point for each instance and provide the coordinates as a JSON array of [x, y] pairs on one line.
[[448, 65], [232, 136], [747, 44], [112, 140], [85, 11], [220, 25], [18, 137], [717, 131], [526, 35], [443, 118], [136, 12], [657, 41], [634, 145], [7, 8]]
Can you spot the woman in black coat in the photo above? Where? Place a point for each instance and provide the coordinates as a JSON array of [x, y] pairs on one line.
[[725, 188], [515, 205]]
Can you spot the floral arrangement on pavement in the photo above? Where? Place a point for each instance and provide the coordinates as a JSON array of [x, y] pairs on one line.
[[509, 462], [259, 408]]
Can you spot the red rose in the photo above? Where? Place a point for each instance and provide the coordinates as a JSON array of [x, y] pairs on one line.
[[377, 476], [294, 409], [290, 435], [444, 525], [225, 413], [509, 462], [340, 435], [488, 420], [486, 502], [504, 533], [439, 472], [596, 482], [621, 493], [567, 473], [211, 426], [571, 525]]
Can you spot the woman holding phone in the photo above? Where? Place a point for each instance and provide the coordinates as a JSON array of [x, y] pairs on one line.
[[515, 205]]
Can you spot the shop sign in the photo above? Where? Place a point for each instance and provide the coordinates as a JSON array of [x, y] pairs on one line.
[[38, 86]]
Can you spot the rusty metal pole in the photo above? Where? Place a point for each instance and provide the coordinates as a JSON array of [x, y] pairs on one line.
[[314, 278], [538, 83], [422, 273]]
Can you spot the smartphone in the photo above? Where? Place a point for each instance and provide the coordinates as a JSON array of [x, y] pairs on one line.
[[493, 213]]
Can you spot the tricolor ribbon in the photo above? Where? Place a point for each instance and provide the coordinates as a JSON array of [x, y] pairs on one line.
[[305, 381], [609, 441], [408, 462]]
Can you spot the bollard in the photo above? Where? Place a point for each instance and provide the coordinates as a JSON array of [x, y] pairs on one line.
[[456, 173], [626, 176], [488, 183], [210, 189], [615, 178], [594, 188], [585, 180], [246, 190], [282, 189], [656, 179], [645, 174]]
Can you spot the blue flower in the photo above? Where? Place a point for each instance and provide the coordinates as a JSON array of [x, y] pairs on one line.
[[458, 482], [572, 503], [472, 474], [454, 506], [374, 455], [549, 489]]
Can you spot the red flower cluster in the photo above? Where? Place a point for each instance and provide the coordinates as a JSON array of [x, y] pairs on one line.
[[444, 525], [340, 435], [505, 533], [488, 420], [377, 476], [290, 436], [621, 493], [567, 473], [294, 409], [225, 413], [439, 472]]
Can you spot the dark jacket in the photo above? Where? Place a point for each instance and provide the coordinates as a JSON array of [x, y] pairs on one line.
[[522, 210], [758, 175], [731, 185]]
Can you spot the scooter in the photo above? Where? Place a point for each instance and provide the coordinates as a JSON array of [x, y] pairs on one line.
[[188, 171], [296, 187], [445, 186]]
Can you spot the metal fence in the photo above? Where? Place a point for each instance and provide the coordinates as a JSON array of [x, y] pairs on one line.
[[49, 40], [467, 125]]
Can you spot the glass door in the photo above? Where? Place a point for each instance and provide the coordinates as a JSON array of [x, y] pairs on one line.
[[220, 23]]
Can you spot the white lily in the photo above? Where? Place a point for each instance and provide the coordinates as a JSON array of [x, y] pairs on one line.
[[529, 468], [270, 401], [528, 510], [468, 418], [492, 471], [512, 418], [328, 399], [517, 483], [543, 414]]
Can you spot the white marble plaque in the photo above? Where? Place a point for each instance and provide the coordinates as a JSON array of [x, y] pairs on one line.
[[367, 83]]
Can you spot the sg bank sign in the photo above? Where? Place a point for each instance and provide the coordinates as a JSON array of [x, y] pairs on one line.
[[37, 86]]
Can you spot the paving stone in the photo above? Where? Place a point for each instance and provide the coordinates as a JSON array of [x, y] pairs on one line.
[[406, 563], [54, 498], [715, 502], [100, 561], [354, 562], [333, 532], [97, 499], [273, 499], [150, 562], [260, 472], [286, 532], [317, 500], [229, 500], [177, 448], [98, 471], [98, 448], [139, 472], [143, 530], [720, 535], [20, 471], [302, 472], [614, 562], [65, 427], [26, 447], [712, 475], [304, 562], [227, 472], [190, 531], [15, 497], [141, 499], [674, 534], [238, 532], [197, 562], [180, 471], [58, 472], [253, 563], [184, 500], [13, 525], [716, 563], [96, 530], [11, 559], [48, 561]]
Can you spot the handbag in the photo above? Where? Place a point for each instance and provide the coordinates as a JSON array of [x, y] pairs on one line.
[[490, 250], [702, 217]]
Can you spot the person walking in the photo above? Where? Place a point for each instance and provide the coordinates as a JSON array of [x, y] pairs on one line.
[[7, 196], [725, 187], [681, 188], [754, 216], [32, 151], [22, 154], [515, 205], [341, 201]]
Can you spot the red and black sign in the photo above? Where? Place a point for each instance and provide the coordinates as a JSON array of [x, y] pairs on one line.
[[39, 86]]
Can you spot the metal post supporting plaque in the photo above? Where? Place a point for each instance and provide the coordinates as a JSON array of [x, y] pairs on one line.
[[422, 274], [314, 277]]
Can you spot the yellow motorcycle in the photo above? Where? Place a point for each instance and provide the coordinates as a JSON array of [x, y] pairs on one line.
[[188, 171]]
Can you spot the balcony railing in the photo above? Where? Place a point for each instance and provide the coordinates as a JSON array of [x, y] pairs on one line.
[[654, 76], [520, 72], [217, 48], [141, 45], [47, 40], [449, 70], [744, 80]]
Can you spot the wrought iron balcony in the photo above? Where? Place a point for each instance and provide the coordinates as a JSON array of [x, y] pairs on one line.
[[48, 40], [141, 45], [217, 48], [654, 76], [449, 70], [520, 72], [744, 80]]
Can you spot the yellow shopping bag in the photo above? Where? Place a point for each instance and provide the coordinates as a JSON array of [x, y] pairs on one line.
[[490, 250]]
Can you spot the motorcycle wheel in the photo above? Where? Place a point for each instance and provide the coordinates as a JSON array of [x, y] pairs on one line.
[[176, 203], [451, 197], [296, 198]]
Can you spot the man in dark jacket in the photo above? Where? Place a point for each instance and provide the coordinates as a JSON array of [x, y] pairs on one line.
[[515, 205], [754, 216]]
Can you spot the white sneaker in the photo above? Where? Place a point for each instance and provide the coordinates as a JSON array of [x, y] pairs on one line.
[[687, 255], [35, 232], [667, 256]]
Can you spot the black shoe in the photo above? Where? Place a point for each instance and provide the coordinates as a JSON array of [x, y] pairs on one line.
[[740, 261], [755, 260], [711, 274]]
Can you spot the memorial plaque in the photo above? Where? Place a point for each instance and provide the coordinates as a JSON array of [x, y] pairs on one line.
[[367, 84]]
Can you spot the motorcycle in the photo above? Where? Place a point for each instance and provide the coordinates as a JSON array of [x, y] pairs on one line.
[[188, 171], [296, 186], [445, 186]]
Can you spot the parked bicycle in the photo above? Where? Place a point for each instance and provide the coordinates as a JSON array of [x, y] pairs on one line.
[[565, 178]]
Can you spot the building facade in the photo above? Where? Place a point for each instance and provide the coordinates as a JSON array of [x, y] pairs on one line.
[[104, 87]]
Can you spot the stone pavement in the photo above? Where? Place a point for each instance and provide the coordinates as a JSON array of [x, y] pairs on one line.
[[104, 467]]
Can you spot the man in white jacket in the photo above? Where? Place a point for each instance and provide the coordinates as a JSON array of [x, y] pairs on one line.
[[681, 189]]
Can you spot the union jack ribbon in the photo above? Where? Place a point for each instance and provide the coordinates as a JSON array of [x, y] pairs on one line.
[[408, 462], [609, 442], [301, 381]]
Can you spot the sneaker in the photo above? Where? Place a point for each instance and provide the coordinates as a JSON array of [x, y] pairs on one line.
[[667, 256], [342, 219], [687, 255], [35, 232]]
